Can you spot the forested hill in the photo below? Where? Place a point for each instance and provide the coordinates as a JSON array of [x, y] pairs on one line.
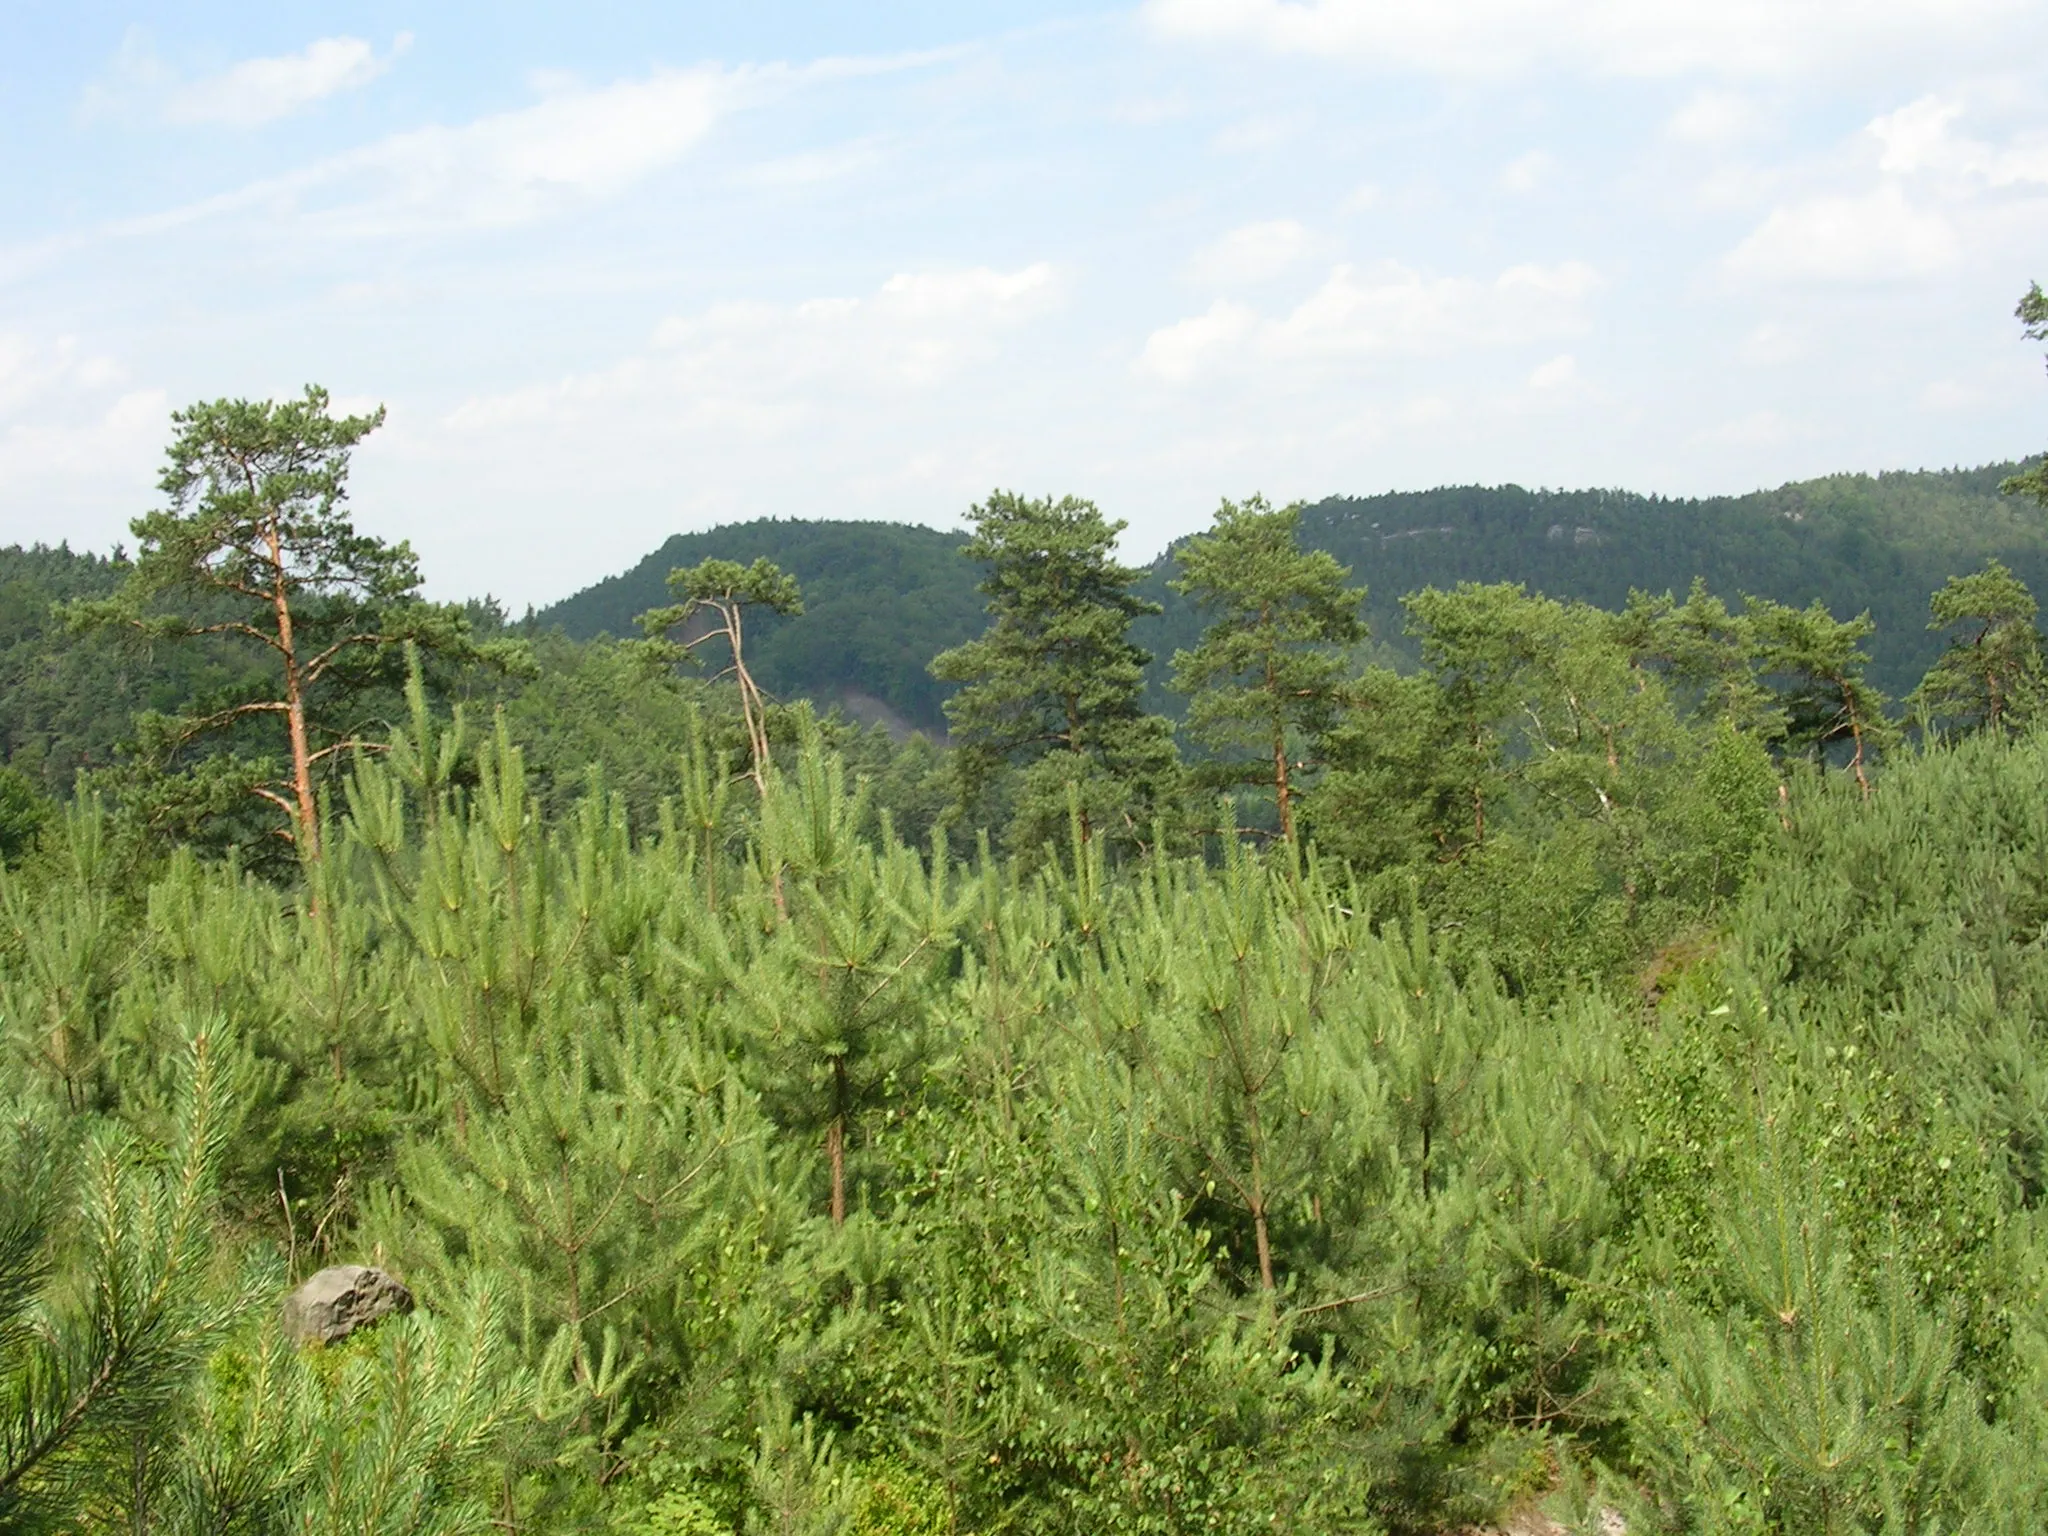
[[880, 600], [1856, 542], [883, 598]]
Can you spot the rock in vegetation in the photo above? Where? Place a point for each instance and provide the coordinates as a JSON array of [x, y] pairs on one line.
[[339, 1300]]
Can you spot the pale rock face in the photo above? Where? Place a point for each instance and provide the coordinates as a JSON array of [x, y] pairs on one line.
[[336, 1302]]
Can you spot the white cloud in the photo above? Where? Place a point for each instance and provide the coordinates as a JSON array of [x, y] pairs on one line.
[[76, 432], [1251, 253], [1560, 372], [908, 400], [258, 91], [1916, 136], [498, 171], [76, 456], [1620, 37], [1771, 344], [1919, 138], [977, 292], [1527, 173], [1177, 353], [32, 371], [758, 369], [1950, 395], [513, 166], [1714, 119], [1380, 310], [1262, 132], [1759, 429], [134, 77], [1390, 307], [815, 167], [1859, 237], [577, 144], [244, 95]]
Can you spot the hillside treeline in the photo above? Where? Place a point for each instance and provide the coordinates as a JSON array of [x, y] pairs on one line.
[[884, 598]]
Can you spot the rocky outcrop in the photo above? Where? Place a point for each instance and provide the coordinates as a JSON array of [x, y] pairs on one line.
[[337, 1301]]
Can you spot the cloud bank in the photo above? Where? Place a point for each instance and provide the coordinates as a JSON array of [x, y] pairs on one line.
[[1634, 38]]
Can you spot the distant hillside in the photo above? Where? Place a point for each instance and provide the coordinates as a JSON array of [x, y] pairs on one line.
[[67, 700], [880, 600], [1857, 542], [883, 598]]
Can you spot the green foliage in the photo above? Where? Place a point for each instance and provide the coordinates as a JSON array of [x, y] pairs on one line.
[[255, 548], [2032, 314], [724, 590], [1856, 543], [23, 810], [1991, 676], [1800, 1404], [1570, 787], [893, 1499], [1817, 663], [68, 701], [1268, 672], [676, 1513], [102, 1362], [880, 600], [883, 599], [1053, 689], [393, 1431]]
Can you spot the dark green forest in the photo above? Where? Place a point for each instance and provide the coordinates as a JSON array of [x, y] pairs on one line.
[[1545, 1023], [880, 601]]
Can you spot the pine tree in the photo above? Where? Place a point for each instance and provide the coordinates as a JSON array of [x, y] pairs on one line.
[[837, 988], [1267, 672], [1991, 676], [23, 812], [1818, 661], [2032, 314], [96, 1364], [1805, 1405], [256, 545], [1230, 1039], [1054, 687], [725, 589], [1706, 654]]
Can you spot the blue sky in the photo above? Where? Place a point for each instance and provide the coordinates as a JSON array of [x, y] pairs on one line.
[[619, 270]]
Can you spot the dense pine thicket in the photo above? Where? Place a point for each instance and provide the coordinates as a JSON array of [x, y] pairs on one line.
[[1196, 1194]]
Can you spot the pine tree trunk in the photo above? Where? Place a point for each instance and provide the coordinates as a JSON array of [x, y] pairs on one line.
[[1283, 793], [1258, 1204], [308, 831], [835, 1154], [835, 1142], [1265, 1245], [753, 711]]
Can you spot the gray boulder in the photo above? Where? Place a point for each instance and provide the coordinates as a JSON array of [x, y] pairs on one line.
[[336, 1302]]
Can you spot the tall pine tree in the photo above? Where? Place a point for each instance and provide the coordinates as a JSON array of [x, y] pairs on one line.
[[1053, 687], [1268, 671], [256, 545]]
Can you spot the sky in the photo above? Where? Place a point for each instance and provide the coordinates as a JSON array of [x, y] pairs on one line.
[[620, 271]]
